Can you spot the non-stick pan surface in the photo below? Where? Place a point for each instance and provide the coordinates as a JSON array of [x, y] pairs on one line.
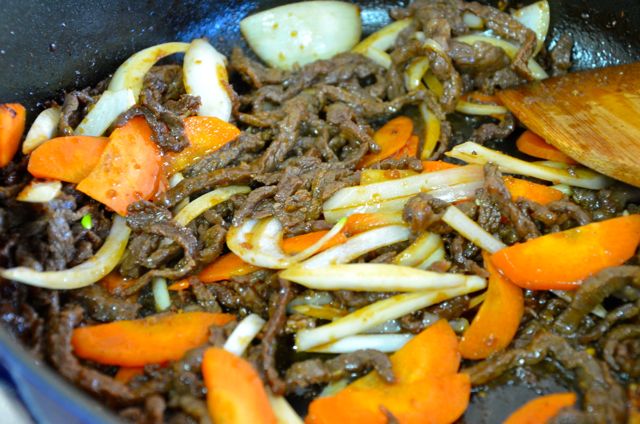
[[47, 47]]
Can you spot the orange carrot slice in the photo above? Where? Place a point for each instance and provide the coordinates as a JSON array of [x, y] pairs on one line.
[[391, 138], [128, 168], [12, 120], [115, 283], [541, 409], [152, 340], [479, 97], [361, 222], [235, 394], [561, 260], [206, 134], [427, 387], [534, 145], [497, 320], [436, 165], [410, 149], [126, 374], [69, 159], [536, 192]]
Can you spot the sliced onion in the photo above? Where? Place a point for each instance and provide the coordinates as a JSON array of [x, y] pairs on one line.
[[470, 108], [472, 21], [312, 298], [379, 312], [510, 49], [373, 277], [384, 38], [320, 312], [380, 342], [259, 243], [536, 17], [371, 176], [579, 177], [419, 250], [378, 56], [84, 274], [130, 75], [205, 75], [437, 255], [43, 128], [110, 105], [160, 294], [471, 230], [358, 245], [243, 334], [284, 413], [432, 128], [414, 73], [205, 202], [434, 84], [334, 387], [302, 32], [40, 191], [563, 188]]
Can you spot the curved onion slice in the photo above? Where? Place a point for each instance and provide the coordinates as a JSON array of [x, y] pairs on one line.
[[536, 17], [284, 413], [470, 108], [205, 75], [384, 38], [471, 230], [419, 250], [379, 312], [382, 342], [432, 129], [259, 243], [579, 177], [510, 49], [195, 208], [358, 245], [84, 274], [242, 335], [373, 277], [302, 32], [130, 74], [110, 105], [40, 191], [43, 128], [414, 73], [378, 56]]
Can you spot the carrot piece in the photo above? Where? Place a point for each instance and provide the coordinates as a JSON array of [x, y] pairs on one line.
[[297, 244], [360, 222], [436, 165], [561, 260], [69, 159], [536, 192], [13, 117], [128, 168], [410, 149], [179, 285], [206, 134], [235, 394], [534, 145], [391, 138], [152, 340], [126, 374], [116, 283], [541, 409], [497, 320], [427, 387]]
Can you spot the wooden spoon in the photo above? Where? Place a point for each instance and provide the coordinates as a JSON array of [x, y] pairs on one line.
[[592, 116]]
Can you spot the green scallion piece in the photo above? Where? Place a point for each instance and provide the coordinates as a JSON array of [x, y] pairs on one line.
[[86, 222]]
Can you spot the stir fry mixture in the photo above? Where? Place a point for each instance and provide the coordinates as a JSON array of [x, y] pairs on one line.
[[355, 227]]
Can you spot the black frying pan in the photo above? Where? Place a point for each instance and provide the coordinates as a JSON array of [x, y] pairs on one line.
[[47, 47]]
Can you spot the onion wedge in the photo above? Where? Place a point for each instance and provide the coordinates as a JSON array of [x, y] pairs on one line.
[[300, 33], [130, 74], [382, 342], [536, 17], [110, 105], [243, 334], [374, 277], [379, 312], [205, 75], [40, 191], [579, 177], [471, 230], [84, 274], [43, 128], [195, 208]]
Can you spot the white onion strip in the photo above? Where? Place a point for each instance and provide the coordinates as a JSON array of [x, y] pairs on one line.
[[40, 191], [438, 255], [471, 230], [381, 342], [379, 312], [384, 38], [480, 109], [43, 128], [373, 277], [131, 73], [245, 331], [84, 274], [198, 206], [100, 117], [580, 177], [205, 75], [284, 413], [419, 250], [358, 245], [160, 293]]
